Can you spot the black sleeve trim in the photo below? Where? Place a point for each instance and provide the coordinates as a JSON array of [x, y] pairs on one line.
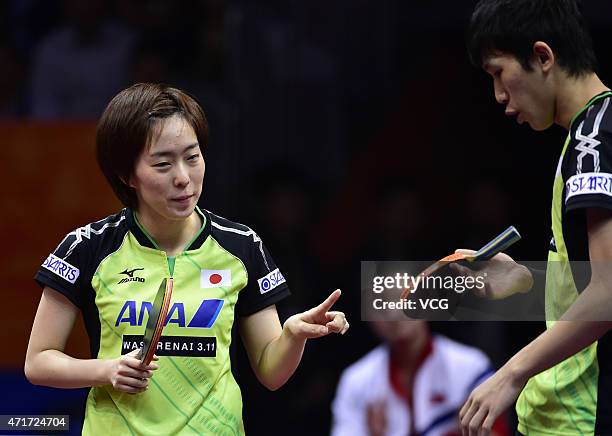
[[588, 203], [279, 295], [45, 280]]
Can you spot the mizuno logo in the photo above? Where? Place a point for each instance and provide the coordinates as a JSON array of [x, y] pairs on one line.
[[130, 273], [130, 276]]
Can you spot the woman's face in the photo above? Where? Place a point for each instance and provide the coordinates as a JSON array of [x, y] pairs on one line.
[[168, 175]]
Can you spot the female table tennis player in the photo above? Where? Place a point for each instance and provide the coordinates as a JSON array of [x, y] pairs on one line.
[[150, 143]]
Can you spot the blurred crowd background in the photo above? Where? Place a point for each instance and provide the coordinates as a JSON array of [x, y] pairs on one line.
[[340, 131]]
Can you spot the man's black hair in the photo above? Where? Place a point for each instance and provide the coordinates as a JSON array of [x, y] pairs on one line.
[[513, 26]]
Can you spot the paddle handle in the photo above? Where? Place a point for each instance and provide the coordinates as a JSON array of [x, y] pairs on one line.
[[502, 241]]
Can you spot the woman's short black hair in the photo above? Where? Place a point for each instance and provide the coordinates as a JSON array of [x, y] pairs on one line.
[[127, 127]]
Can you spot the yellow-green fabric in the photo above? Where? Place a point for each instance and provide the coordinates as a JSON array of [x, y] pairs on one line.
[[563, 399], [215, 282]]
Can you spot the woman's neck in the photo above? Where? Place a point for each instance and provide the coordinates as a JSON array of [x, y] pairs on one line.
[[171, 236]]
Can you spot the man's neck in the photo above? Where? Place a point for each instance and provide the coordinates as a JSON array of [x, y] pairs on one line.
[[573, 94], [407, 353]]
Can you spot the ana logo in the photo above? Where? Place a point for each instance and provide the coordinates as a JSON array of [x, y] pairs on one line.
[[215, 278], [130, 276], [61, 268], [270, 281], [205, 317]]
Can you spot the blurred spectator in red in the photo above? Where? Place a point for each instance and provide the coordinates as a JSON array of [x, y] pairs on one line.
[[413, 384]]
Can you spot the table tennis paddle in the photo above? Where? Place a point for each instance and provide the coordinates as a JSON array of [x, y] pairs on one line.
[[498, 244], [156, 321]]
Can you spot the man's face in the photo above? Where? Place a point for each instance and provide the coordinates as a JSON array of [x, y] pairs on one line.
[[527, 95], [400, 330]]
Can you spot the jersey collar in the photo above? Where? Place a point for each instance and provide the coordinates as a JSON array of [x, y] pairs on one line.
[[395, 371], [589, 103], [144, 239]]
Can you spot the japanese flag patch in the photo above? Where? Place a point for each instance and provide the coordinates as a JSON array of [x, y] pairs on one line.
[[215, 278]]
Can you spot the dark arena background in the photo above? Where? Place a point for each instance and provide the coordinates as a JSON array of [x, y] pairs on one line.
[[340, 131]]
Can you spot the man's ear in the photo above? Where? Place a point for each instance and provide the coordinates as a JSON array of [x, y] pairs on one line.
[[544, 56]]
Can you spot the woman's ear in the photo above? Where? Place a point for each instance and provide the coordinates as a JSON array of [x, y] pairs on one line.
[[127, 182]]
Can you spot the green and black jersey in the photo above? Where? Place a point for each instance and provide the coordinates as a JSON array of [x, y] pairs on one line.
[[575, 396], [111, 270]]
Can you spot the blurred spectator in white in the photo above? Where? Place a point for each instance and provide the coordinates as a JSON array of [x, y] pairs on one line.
[[413, 384], [81, 65]]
